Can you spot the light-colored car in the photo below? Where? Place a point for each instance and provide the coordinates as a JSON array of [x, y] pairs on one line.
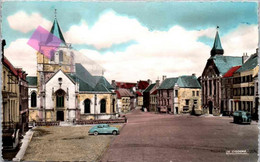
[[103, 129]]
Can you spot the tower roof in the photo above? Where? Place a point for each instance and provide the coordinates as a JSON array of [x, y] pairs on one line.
[[55, 30], [217, 48]]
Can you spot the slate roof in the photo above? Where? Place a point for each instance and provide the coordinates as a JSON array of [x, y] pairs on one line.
[[217, 43], [224, 63], [87, 82], [55, 30], [188, 82], [168, 83], [251, 63], [184, 81], [231, 71], [149, 88], [102, 80], [32, 80]]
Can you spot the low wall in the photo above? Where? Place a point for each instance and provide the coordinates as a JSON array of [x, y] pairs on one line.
[[108, 121]]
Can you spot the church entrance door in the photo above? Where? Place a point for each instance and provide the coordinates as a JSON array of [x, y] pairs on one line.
[[60, 116], [210, 107]]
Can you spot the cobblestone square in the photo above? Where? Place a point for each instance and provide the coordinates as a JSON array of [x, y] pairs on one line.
[[70, 143]]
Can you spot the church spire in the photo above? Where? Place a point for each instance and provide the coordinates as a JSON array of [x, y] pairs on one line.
[[217, 48], [55, 30]]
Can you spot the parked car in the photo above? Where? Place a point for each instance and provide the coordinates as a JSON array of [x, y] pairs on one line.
[[103, 129], [241, 117]]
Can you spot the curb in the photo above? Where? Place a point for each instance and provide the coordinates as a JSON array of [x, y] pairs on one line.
[[25, 142]]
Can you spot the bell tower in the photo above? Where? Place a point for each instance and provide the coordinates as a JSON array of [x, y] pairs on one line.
[[54, 54]]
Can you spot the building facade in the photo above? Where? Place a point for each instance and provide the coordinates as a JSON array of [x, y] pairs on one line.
[[179, 95], [211, 78], [124, 100], [14, 102], [245, 87], [66, 90]]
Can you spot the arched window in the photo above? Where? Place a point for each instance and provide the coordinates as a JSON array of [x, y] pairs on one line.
[[52, 54], [103, 106], [87, 106], [60, 98], [33, 99], [60, 56]]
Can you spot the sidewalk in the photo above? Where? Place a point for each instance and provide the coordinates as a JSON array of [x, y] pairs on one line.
[[25, 142]]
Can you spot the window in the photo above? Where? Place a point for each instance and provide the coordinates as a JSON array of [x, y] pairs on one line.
[[193, 93], [198, 93], [60, 56], [187, 102], [59, 101], [60, 98], [103, 106], [87, 106], [52, 54], [168, 94], [33, 100], [176, 93], [195, 102], [4, 80]]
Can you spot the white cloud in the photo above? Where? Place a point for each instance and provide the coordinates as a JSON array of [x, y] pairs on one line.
[[108, 30], [25, 23], [243, 39], [22, 55], [174, 52]]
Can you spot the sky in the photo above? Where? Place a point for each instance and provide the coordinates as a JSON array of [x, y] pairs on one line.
[[134, 40]]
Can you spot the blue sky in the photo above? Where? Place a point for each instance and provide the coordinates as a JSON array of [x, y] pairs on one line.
[[151, 17]]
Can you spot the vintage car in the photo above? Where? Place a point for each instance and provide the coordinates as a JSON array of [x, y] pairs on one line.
[[241, 117], [103, 129]]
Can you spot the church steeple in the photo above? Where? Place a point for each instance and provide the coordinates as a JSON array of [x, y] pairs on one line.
[[217, 48], [55, 30]]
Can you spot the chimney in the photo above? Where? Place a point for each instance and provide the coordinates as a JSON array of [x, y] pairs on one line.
[[257, 50], [157, 83], [193, 74], [149, 81], [163, 77], [244, 57], [113, 83]]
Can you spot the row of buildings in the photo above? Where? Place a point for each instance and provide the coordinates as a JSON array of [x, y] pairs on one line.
[[230, 83], [14, 102]]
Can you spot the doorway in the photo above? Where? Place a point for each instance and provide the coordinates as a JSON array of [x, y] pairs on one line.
[[210, 107], [60, 116]]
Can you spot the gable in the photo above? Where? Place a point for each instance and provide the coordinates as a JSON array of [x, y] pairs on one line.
[[210, 69], [60, 74]]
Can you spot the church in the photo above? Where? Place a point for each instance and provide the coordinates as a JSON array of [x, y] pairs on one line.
[[211, 79], [63, 89]]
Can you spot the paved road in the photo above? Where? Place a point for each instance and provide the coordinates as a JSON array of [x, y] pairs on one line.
[[161, 137]]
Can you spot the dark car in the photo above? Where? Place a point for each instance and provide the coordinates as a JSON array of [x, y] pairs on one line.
[[241, 117]]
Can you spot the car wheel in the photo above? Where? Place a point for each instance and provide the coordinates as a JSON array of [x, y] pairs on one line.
[[114, 132], [95, 133]]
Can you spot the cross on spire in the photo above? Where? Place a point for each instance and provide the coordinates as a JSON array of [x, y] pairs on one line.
[[55, 13]]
